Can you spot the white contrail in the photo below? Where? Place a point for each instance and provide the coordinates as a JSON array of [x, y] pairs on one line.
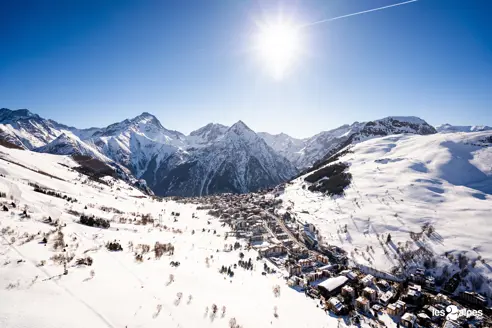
[[358, 13]]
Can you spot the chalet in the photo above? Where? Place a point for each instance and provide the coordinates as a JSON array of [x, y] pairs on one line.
[[313, 276], [240, 224], [414, 292], [423, 319], [348, 291], [275, 250], [396, 308], [349, 274], [383, 284], [451, 324], [332, 286], [430, 311], [294, 269], [307, 263], [370, 293], [473, 298], [256, 238], [441, 299], [335, 305], [293, 281], [386, 297], [377, 307], [322, 259], [258, 229], [282, 236], [408, 320], [309, 235], [362, 304], [367, 280]]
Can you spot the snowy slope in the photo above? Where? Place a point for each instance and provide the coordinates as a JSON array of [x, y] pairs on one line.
[[304, 153], [211, 159], [120, 291], [206, 135], [155, 154], [133, 143], [448, 128], [69, 144], [284, 145], [399, 183], [28, 130]]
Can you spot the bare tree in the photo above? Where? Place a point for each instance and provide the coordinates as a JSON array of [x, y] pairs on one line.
[[223, 311], [179, 296], [276, 290], [213, 313], [171, 279]]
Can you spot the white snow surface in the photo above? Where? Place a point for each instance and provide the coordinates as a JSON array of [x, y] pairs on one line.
[[305, 152], [448, 128], [123, 292], [400, 182]]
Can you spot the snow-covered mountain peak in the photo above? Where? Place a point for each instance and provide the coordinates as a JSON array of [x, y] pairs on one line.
[[240, 129], [397, 125], [449, 128], [208, 128], [69, 144], [408, 119], [10, 115], [146, 118], [207, 134]]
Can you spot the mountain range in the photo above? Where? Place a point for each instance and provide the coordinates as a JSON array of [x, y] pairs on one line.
[[213, 159]]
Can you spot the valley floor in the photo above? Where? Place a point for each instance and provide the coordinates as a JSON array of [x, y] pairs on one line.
[[117, 290]]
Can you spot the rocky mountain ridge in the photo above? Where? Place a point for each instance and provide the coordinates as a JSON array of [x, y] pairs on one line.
[[215, 158]]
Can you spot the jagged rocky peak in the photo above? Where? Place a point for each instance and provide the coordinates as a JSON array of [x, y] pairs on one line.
[[396, 125], [146, 118], [207, 134], [449, 128], [7, 114], [242, 130], [209, 128]]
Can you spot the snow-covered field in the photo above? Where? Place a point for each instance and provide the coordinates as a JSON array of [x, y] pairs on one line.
[[116, 290], [401, 182]]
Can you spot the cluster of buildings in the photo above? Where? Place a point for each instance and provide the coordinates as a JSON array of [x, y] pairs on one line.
[[349, 291], [322, 271]]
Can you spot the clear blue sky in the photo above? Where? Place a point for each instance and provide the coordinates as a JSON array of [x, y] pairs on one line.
[[91, 63]]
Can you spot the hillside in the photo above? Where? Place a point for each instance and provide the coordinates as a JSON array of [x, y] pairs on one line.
[[448, 128], [400, 185], [170, 162], [116, 289], [306, 152]]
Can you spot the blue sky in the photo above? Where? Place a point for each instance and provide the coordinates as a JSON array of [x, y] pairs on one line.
[[91, 63]]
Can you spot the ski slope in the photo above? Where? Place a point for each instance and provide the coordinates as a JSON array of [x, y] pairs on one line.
[[121, 292], [401, 182]]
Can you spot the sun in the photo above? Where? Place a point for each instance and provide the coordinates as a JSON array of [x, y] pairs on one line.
[[279, 46]]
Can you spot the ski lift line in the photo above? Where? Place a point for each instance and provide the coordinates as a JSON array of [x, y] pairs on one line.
[[357, 13]]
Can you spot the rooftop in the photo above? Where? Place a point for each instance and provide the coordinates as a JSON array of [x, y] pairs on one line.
[[331, 284]]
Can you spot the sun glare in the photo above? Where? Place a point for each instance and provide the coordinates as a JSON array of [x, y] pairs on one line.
[[278, 45]]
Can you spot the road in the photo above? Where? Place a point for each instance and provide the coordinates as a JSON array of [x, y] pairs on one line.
[[289, 233]]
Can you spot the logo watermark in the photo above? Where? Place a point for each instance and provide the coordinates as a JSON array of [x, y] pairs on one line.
[[453, 313]]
